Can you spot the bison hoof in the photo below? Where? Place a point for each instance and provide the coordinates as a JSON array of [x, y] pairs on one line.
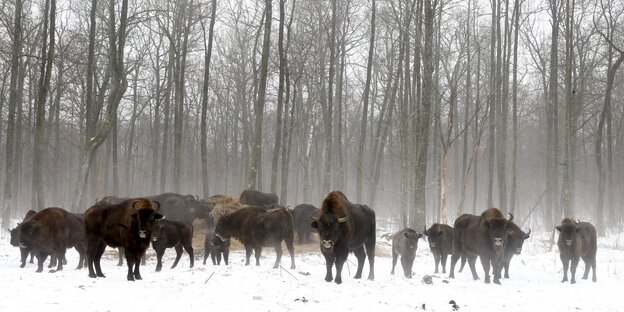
[[594, 279], [338, 280], [52, 271], [22, 265], [497, 282], [137, 277], [91, 275], [328, 279], [101, 275], [292, 267], [572, 282]]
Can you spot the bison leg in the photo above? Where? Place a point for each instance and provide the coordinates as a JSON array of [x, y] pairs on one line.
[[454, 259], [506, 267], [593, 265], [80, 248], [248, 251], [496, 270], [573, 266], [395, 256], [159, 254], [588, 265], [121, 253], [206, 254], [472, 262], [291, 250], [278, 253], [406, 263], [41, 258], [436, 259], [443, 258], [215, 256], [32, 256], [98, 257], [137, 272], [566, 265], [178, 249], [340, 261], [360, 255], [189, 250], [226, 254], [329, 263], [258, 251], [485, 262], [463, 263], [52, 261], [130, 261], [24, 256], [370, 252]]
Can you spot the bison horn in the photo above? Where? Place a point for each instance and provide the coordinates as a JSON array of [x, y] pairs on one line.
[[529, 233], [196, 198], [133, 205], [314, 218], [343, 219], [158, 204], [510, 217]]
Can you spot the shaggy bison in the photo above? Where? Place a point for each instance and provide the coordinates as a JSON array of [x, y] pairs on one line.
[[214, 247], [404, 244], [168, 234], [515, 240], [577, 240], [302, 214], [128, 225], [256, 198], [342, 227], [50, 232], [256, 227], [484, 236], [440, 237]]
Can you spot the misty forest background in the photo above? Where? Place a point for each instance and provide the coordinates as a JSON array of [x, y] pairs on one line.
[[421, 109]]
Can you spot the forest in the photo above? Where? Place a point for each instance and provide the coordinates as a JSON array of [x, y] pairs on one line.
[[423, 110]]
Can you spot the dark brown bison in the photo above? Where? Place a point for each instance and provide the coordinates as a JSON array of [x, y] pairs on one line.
[[404, 244], [214, 247], [181, 207], [515, 240], [342, 227], [169, 234], [440, 237], [256, 227], [577, 240], [50, 232], [256, 198], [128, 225], [302, 214], [15, 240], [484, 236]]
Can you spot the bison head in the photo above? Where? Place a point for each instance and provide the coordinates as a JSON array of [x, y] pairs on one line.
[[15, 236], [434, 236], [497, 233], [330, 227], [202, 209], [28, 232], [223, 229], [218, 242], [515, 240], [411, 240], [567, 232], [157, 232], [144, 215]]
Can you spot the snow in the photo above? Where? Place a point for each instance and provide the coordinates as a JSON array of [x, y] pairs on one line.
[[534, 284]]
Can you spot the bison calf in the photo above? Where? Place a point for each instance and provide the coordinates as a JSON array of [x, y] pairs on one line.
[[577, 240], [440, 237], [214, 247], [515, 240], [169, 234], [404, 244]]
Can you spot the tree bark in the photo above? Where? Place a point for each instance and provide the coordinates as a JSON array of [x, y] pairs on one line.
[[204, 104]]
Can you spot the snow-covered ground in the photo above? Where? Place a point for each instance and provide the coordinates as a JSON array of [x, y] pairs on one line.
[[534, 284]]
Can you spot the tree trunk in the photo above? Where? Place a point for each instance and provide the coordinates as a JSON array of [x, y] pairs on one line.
[[552, 140], [280, 101], [47, 58], [259, 105], [492, 92], [364, 121], [514, 161], [566, 162], [14, 102], [204, 104]]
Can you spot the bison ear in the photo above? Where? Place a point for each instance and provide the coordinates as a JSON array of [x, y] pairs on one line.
[[577, 229], [158, 216], [314, 224], [558, 227]]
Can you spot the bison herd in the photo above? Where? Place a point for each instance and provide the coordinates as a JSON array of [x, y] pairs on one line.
[[257, 220]]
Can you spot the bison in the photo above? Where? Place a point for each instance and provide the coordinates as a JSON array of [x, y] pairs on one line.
[[50, 232], [168, 234], [256, 227], [440, 237], [515, 240], [256, 198], [214, 247], [15, 240], [484, 236], [128, 225], [405, 243], [302, 214], [577, 240], [343, 226]]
